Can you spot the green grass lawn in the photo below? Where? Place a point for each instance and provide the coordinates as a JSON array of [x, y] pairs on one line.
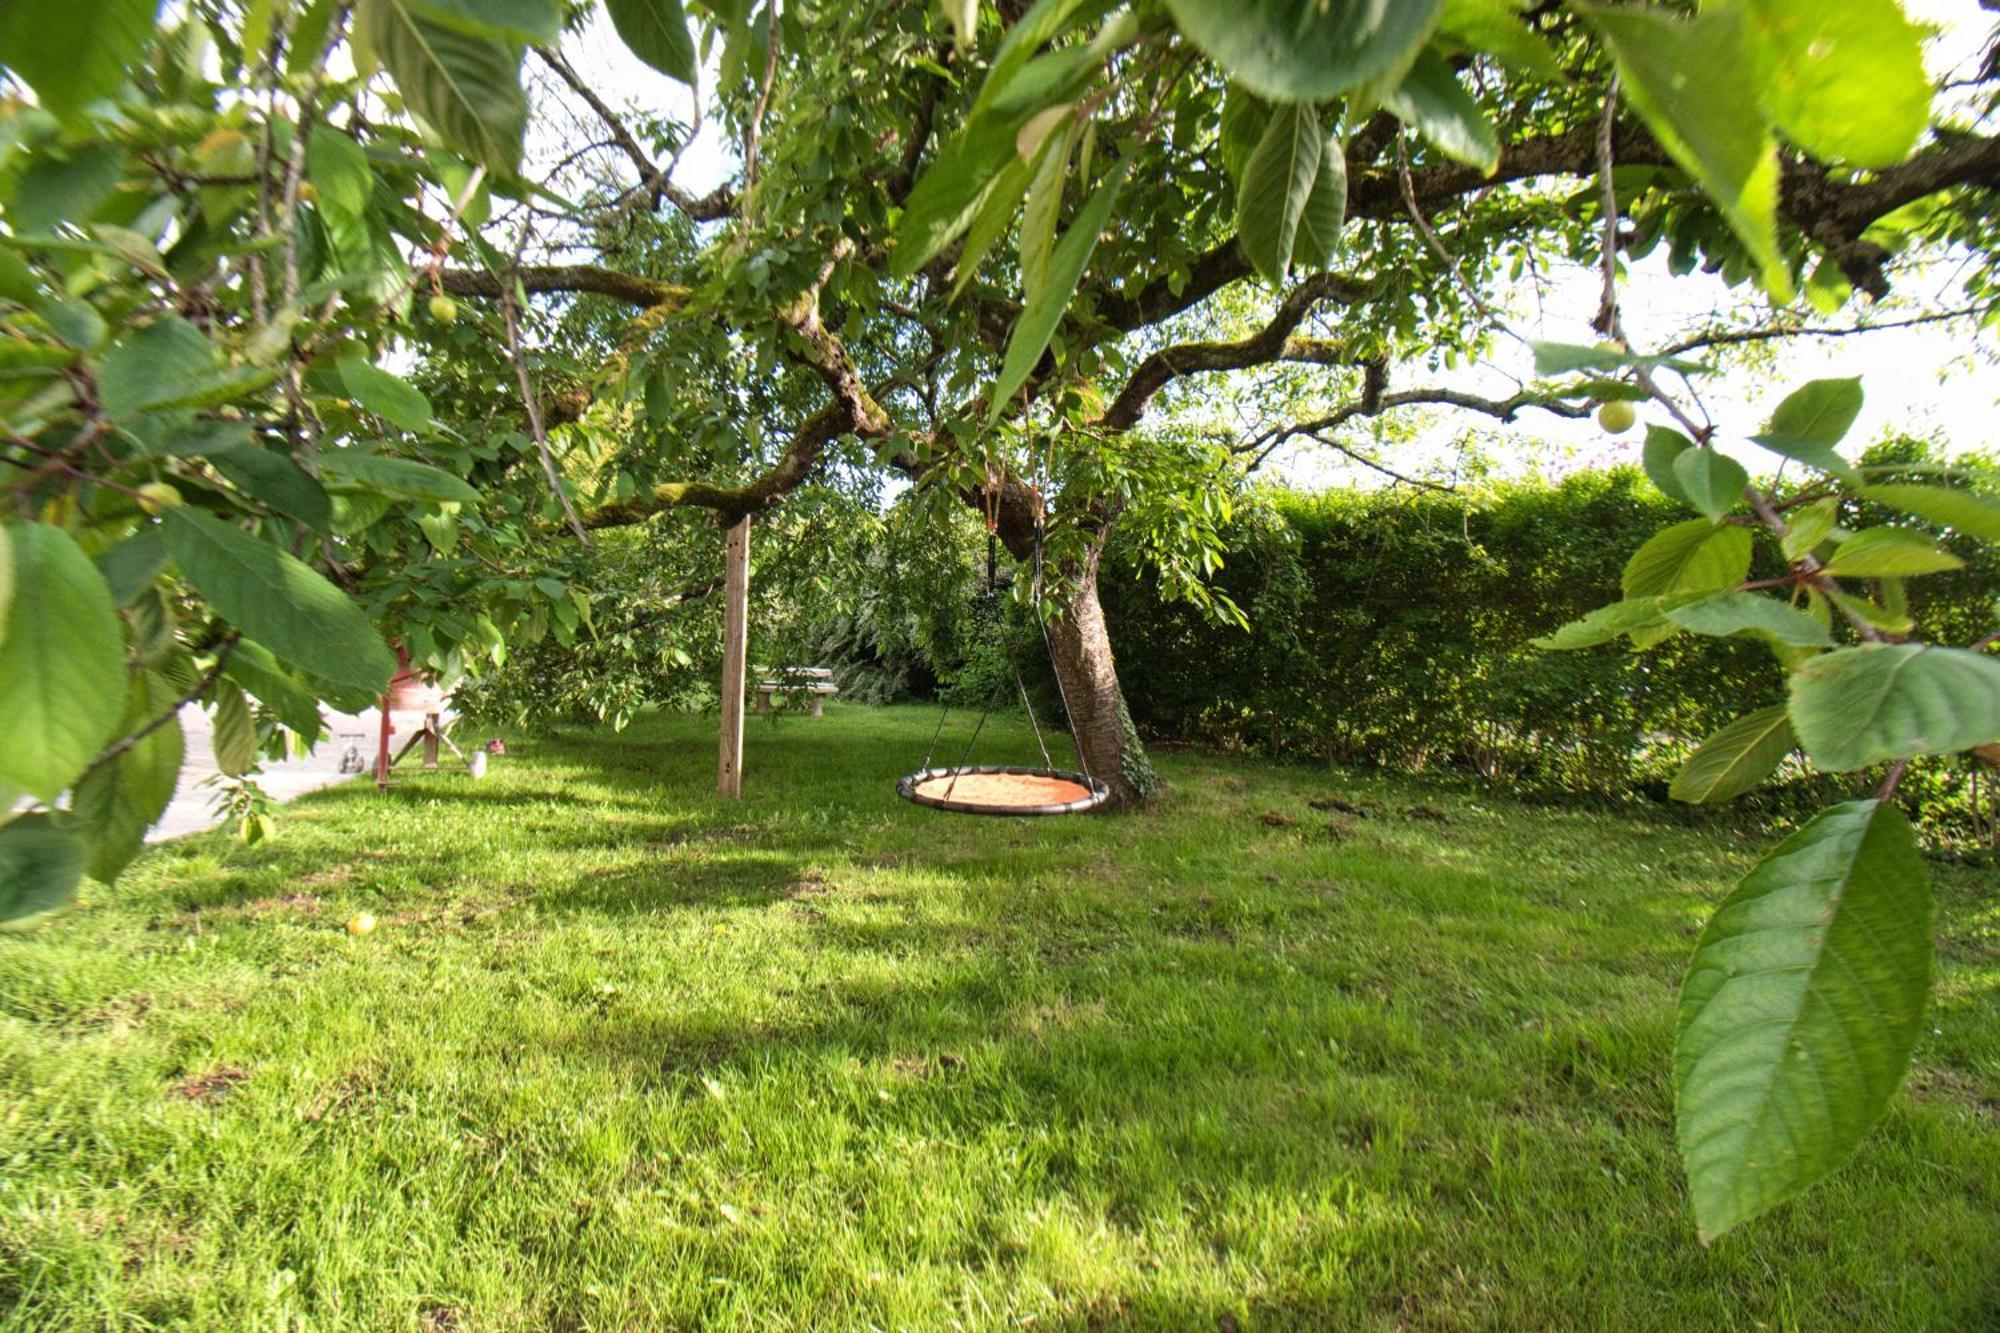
[[620, 1056]]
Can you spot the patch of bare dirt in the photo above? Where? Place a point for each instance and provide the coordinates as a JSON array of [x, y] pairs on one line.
[[213, 1086]]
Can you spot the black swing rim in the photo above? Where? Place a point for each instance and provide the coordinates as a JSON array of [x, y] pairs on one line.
[[1100, 792]]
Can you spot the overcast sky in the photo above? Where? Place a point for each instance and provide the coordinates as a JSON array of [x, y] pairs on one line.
[[1924, 380]]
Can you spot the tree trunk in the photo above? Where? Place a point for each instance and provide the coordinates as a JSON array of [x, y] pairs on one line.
[[1081, 650]]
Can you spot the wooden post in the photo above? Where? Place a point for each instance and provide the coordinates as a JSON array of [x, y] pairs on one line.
[[431, 732], [735, 652]]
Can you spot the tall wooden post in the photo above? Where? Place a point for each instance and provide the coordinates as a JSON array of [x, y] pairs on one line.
[[735, 650]]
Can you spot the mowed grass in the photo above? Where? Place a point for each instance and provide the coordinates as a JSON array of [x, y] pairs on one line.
[[621, 1056]]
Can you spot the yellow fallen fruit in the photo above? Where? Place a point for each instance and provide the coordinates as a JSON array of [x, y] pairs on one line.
[[361, 923]]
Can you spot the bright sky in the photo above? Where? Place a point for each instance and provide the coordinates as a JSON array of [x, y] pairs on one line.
[[1922, 380]]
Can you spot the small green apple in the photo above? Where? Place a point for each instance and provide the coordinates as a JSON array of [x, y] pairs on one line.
[[1617, 416]]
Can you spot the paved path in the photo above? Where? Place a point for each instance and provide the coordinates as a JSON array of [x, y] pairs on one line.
[[284, 779]]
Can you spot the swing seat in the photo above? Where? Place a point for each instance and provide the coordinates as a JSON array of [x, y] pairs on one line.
[[1003, 789]]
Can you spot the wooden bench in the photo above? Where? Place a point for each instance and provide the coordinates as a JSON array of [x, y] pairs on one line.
[[814, 682]]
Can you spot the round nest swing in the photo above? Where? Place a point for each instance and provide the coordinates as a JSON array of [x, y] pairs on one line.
[[1003, 789]]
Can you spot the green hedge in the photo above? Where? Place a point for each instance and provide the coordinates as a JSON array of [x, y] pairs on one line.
[[1391, 628]]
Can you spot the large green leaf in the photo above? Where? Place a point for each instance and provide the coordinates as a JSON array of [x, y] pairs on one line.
[[1811, 421], [1497, 28], [1799, 1011], [267, 475], [338, 168], [1664, 445], [1306, 50], [234, 739], [1695, 556], [349, 472], [155, 367], [254, 668], [1751, 613], [1326, 209], [72, 52], [1692, 81], [1604, 624], [465, 87], [951, 191], [62, 662], [1044, 309], [1710, 481], [1842, 79], [524, 21], [115, 805], [1277, 182], [275, 598], [1881, 701], [1879, 553], [1735, 759], [40, 867], [1431, 100], [657, 32], [1973, 514], [388, 396]]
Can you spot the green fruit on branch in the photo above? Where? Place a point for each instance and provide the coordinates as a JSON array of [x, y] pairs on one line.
[[156, 496], [443, 309], [1616, 417]]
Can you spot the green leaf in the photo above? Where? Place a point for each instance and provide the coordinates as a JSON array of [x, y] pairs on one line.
[[1842, 79], [115, 805], [40, 867], [1752, 614], [1881, 701], [1306, 50], [1970, 513], [524, 21], [72, 52], [155, 367], [949, 194], [1809, 525], [1038, 214], [990, 220], [338, 168], [62, 662], [1603, 625], [1820, 412], [1695, 556], [1735, 759], [276, 599], [1811, 421], [387, 396], [235, 734], [1712, 482], [1326, 208], [1567, 358], [1044, 309], [130, 567], [657, 32], [1277, 182], [1691, 80], [1664, 445], [254, 668], [6, 585], [466, 88], [1799, 1012], [1433, 102], [54, 190], [1244, 116], [349, 472], [1496, 27], [267, 475], [1875, 553]]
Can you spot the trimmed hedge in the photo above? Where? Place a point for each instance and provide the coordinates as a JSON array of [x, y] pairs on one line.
[[1391, 628]]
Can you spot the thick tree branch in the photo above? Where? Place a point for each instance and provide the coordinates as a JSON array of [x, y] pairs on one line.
[[1260, 446], [1272, 343], [579, 278]]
